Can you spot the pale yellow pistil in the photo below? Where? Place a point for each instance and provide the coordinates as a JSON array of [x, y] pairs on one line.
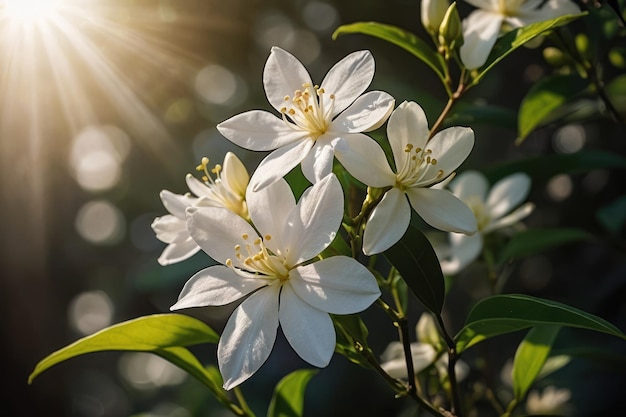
[[259, 259], [480, 211], [418, 169], [219, 193], [308, 111]]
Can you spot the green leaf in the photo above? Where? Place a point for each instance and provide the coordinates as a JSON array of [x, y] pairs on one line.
[[530, 357], [470, 115], [288, 398], [352, 338], [399, 37], [162, 334], [542, 168], [616, 90], [518, 37], [544, 98], [415, 259], [533, 241], [503, 314]]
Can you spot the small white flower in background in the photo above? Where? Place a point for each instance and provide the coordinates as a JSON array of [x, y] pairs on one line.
[[483, 26], [494, 209], [227, 190], [271, 270], [424, 353], [420, 164], [313, 118], [552, 401]]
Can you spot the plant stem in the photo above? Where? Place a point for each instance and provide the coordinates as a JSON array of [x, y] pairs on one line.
[[454, 97], [452, 358], [242, 402]]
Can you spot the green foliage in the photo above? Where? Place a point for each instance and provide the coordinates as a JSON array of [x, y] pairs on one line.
[[162, 334], [288, 398], [544, 98], [518, 37], [542, 168], [530, 357], [503, 314], [471, 115], [399, 37], [415, 259], [352, 338], [534, 241]]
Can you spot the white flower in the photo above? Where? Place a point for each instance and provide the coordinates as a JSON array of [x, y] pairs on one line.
[[493, 210], [424, 354], [271, 270], [313, 118], [420, 164], [552, 401], [227, 190], [482, 27]]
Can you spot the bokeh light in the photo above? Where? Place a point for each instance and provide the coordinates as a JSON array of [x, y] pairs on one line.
[[100, 222], [145, 371], [90, 311]]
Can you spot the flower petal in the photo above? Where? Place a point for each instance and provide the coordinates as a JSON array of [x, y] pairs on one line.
[[465, 249], [470, 184], [176, 204], [450, 147], [368, 111], [309, 331], [407, 124], [337, 285], [365, 160], [387, 222], [480, 31], [347, 80], [442, 210], [216, 286], [234, 174], [313, 224], [318, 163], [278, 163], [510, 219], [249, 336], [269, 208], [178, 251], [217, 231], [259, 130], [170, 229], [283, 74], [507, 193]]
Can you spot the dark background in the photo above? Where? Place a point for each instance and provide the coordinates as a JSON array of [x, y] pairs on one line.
[[154, 78]]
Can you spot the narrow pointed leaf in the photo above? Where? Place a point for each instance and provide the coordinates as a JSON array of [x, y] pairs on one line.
[[415, 259], [503, 314], [544, 99], [399, 37], [518, 37], [530, 357], [155, 333], [288, 398], [533, 241]]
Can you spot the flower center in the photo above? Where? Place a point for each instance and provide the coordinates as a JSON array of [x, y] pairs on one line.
[[309, 109], [218, 192], [257, 258], [418, 169], [476, 204]]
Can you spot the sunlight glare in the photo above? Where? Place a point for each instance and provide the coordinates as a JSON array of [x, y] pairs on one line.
[[28, 11]]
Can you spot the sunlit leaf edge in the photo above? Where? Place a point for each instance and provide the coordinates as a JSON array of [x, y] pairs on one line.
[[293, 395]]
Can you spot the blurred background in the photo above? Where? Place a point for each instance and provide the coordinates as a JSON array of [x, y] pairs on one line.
[[107, 102]]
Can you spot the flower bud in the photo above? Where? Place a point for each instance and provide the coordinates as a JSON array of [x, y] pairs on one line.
[[427, 331], [433, 12], [451, 29]]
